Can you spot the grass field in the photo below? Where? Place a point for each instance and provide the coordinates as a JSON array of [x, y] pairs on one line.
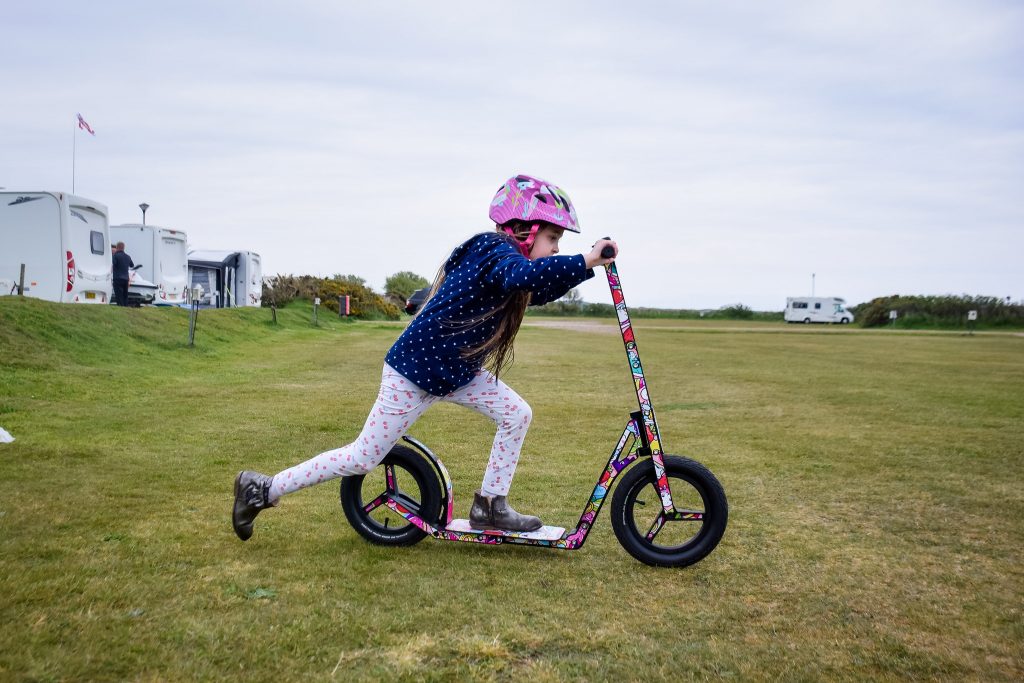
[[874, 482]]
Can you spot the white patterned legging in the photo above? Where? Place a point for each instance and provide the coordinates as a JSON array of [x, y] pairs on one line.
[[399, 404]]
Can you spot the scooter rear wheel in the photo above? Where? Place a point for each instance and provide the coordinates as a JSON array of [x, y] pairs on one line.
[[637, 512], [404, 474]]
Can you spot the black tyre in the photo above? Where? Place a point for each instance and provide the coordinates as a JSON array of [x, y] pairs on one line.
[[807, 321], [636, 509], [413, 481]]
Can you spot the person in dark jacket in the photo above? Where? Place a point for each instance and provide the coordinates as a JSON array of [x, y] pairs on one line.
[[454, 351], [122, 263]]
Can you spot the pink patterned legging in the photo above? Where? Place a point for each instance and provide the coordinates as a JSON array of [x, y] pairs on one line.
[[399, 404]]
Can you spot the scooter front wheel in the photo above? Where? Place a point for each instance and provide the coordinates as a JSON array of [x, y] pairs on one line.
[[404, 475], [639, 521]]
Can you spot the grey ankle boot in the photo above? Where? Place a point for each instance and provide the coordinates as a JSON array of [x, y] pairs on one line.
[[494, 512], [252, 494]]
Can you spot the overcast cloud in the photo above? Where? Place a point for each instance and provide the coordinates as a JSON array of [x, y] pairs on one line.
[[732, 148]]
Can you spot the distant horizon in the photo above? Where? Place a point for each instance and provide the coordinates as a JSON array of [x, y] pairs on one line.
[[1003, 300]]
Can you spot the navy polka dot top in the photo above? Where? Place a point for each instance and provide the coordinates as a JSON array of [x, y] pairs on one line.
[[479, 274]]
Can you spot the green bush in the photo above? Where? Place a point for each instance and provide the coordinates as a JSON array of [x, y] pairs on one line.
[[400, 286], [281, 290], [946, 311], [736, 312]]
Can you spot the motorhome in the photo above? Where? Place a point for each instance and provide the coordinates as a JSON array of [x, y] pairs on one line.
[[162, 254], [226, 278], [810, 309], [62, 240]]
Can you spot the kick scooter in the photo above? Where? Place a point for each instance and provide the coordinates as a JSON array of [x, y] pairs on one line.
[[667, 510]]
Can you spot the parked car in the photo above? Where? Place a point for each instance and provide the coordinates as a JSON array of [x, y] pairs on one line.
[[140, 290], [416, 300]]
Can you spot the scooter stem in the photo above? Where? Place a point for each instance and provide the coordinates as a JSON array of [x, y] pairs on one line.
[[633, 357], [651, 435]]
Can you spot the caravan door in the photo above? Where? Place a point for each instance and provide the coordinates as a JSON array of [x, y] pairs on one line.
[[172, 266], [88, 253], [254, 275], [249, 279]]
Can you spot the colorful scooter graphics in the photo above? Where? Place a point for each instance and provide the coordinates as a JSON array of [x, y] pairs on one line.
[[667, 510]]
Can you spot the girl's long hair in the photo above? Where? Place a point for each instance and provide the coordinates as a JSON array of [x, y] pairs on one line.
[[496, 353]]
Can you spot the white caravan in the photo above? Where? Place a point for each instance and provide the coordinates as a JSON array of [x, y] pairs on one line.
[[163, 255], [63, 241], [227, 278], [810, 309]]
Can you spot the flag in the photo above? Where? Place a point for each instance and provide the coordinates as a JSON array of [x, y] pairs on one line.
[[85, 126]]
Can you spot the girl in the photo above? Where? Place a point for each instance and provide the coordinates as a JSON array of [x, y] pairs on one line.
[[455, 349]]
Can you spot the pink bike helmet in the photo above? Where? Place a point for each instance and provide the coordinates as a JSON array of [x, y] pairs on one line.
[[532, 200]]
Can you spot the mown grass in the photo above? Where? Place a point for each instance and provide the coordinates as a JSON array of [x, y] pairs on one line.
[[874, 481]]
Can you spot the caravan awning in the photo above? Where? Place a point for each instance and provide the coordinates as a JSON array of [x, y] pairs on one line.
[[212, 258]]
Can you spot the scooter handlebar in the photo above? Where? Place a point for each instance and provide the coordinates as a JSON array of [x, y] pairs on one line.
[[608, 251]]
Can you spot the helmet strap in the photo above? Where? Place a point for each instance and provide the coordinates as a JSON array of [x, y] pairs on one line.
[[526, 244]]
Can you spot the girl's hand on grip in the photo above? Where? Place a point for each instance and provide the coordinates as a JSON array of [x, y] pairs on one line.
[[596, 258]]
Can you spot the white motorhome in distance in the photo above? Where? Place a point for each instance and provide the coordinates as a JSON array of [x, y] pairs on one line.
[[64, 242], [228, 278], [163, 254], [810, 309]]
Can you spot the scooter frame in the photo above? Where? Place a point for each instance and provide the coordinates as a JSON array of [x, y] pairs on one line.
[[641, 437]]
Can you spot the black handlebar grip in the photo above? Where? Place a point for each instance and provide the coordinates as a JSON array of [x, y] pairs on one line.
[[608, 251]]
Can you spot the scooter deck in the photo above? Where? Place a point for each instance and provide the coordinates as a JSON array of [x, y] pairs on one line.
[[545, 533]]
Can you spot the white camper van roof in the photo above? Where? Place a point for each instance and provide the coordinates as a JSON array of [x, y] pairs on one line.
[[72, 199], [149, 226], [211, 256]]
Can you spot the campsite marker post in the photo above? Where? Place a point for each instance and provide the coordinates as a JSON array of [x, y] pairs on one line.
[[196, 294], [316, 305]]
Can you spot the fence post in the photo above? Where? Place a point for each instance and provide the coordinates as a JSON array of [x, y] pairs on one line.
[[21, 281], [193, 316]]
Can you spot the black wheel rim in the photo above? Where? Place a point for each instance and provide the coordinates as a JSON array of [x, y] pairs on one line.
[[646, 519], [388, 479]]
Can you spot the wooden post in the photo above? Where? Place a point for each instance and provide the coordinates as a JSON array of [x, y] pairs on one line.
[[21, 281], [193, 315]]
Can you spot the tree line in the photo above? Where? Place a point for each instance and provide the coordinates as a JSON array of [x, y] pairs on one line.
[[913, 311], [947, 311]]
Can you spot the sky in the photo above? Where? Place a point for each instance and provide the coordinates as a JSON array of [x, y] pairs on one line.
[[738, 152]]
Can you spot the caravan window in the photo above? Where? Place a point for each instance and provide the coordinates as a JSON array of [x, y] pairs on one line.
[[799, 304], [96, 242], [817, 306]]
